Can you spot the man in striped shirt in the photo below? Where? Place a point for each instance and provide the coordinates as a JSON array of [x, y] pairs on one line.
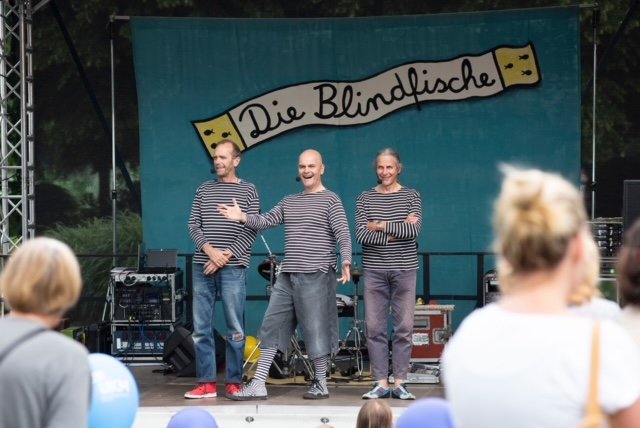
[[305, 291], [219, 267], [388, 221]]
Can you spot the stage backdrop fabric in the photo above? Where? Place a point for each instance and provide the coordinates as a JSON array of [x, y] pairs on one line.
[[189, 70]]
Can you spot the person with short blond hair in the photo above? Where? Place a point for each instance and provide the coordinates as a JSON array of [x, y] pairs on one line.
[[528, 347], [45, 376]]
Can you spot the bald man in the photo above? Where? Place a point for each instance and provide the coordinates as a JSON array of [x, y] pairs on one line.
[[305, 291]]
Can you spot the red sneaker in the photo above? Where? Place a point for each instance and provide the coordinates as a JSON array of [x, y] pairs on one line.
[[232, 389], [202, 390]]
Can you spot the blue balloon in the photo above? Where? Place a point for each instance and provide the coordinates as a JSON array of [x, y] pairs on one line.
[[192, 417], [114, 393], [430, 412]]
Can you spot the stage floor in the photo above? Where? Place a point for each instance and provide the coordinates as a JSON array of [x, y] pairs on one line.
[[161, 396]]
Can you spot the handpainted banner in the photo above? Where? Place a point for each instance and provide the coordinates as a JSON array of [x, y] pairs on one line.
[[365, 101], [449, 92]]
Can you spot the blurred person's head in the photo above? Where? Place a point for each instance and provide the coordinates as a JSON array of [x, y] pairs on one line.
[[588, 288], [42, 277], [629, 266], [375, 414], [538, 218]]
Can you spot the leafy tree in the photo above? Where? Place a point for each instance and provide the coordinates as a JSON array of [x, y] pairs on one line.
[[92, 239]]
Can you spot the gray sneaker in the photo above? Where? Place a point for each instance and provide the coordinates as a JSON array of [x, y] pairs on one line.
[[400, 392], [251, 391], [318, 390], [378, 391]]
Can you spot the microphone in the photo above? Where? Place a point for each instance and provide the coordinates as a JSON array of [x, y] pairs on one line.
[[379, 181], [213, 170], [297, 178]]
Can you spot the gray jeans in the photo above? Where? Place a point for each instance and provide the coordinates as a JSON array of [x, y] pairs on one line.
[[307, 300], [382, 290]]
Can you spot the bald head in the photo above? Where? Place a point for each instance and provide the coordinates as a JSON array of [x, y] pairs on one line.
[[310, 156], [310, 170]]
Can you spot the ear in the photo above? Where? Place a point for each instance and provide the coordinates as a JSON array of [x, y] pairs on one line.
[[322, 169], [236, 161]]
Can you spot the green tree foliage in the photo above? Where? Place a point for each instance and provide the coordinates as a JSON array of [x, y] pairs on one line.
[[92, 241]]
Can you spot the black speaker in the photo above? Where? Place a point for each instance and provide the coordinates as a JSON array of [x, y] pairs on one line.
[[99, 337], [491, 287], [630, 203], [180, 352]]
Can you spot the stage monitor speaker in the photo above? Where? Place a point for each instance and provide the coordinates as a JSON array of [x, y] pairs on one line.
[[180, 352], [630, 203], [99, 337]]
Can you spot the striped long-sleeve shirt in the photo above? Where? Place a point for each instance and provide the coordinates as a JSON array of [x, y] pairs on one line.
[[313, 224], [206, 224], [396, 247]]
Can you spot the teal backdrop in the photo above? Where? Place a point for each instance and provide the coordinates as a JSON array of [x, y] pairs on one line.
[[190, 69]]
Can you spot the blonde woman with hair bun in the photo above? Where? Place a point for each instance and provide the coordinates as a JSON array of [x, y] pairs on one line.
[[525, 360]]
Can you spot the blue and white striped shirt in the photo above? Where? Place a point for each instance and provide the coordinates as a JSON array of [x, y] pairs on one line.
[[396, 247], [313, 224], [206, 224]]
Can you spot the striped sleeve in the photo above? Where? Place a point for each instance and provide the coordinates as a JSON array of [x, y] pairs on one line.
[[363, 235], [245, 239], [402, 230], [340, 227], [267, 220], [195, 220]]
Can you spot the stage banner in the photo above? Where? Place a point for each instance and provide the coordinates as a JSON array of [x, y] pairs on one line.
[[455, 94]]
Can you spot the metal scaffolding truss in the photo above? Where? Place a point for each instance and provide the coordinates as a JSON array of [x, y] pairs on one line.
[[16, 124]]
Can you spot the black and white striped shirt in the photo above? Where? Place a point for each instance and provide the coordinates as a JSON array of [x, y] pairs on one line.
[[206, 224], [313, 223], [396, 247]]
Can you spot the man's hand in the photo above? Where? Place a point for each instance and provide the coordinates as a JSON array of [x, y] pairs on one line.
[[217, 259], [209, 268], [232, 212], [411, 219], [376, 226], [346, 273]]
